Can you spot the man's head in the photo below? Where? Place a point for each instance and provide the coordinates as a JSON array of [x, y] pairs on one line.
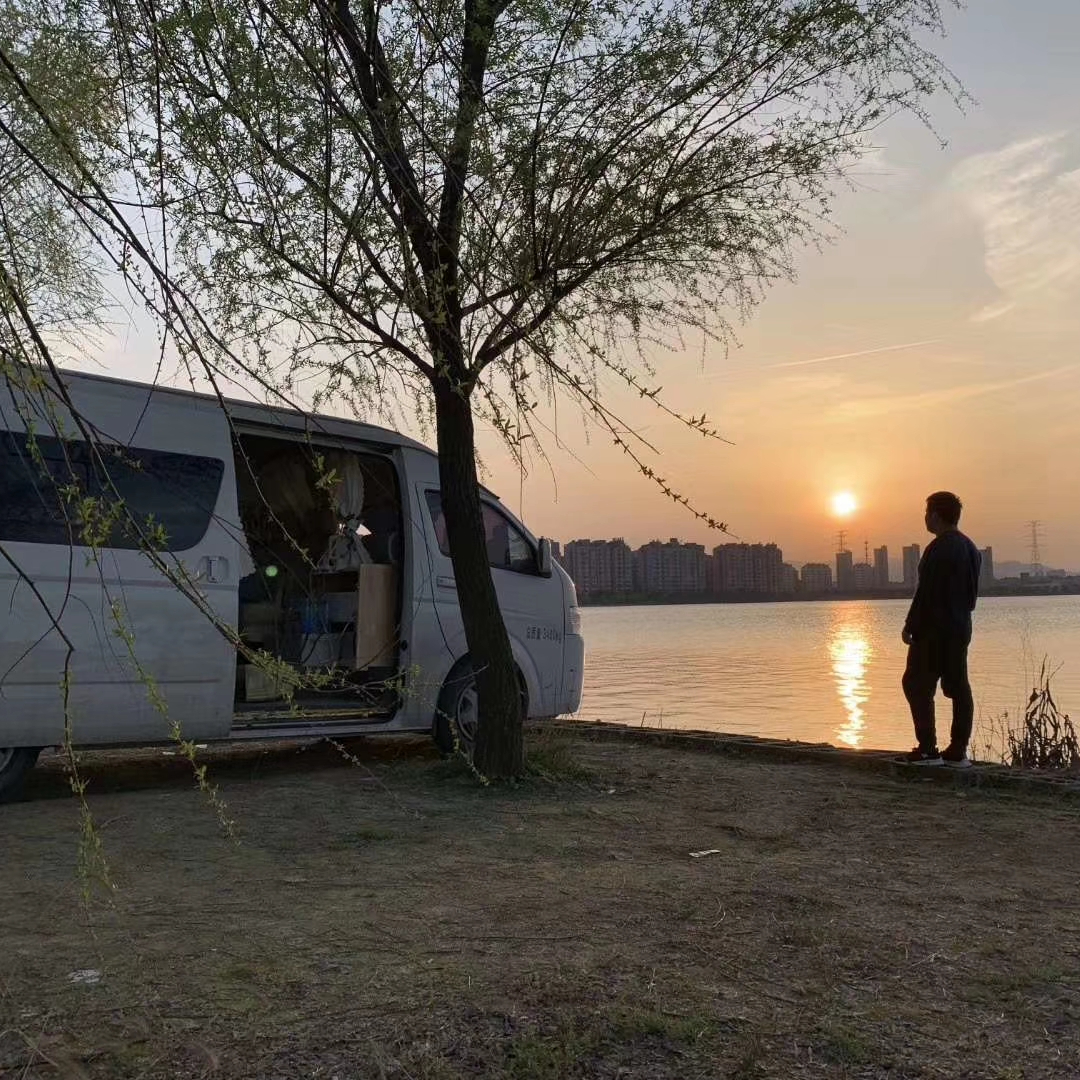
[[942, 512]]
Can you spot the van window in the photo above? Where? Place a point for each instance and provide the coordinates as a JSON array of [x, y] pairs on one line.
[[507, 546], [177, 491]]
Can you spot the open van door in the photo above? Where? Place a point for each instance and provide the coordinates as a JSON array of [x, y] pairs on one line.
[[130, 629]]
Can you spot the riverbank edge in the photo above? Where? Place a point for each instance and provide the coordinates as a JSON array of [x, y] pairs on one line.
[[1060, 587], [980, 775]]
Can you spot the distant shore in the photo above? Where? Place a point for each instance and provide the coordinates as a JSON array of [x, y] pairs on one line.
[[1069, 586]]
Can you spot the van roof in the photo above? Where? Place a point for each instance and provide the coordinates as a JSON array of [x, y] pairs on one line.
[[279, 415]]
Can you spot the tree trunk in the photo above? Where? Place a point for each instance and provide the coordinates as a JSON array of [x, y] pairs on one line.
[[499, 752]]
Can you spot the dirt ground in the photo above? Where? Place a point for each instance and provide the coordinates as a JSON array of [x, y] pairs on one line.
[[386, 917]]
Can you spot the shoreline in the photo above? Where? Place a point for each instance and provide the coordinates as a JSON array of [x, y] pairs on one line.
[[982, 774], [1067, 587]]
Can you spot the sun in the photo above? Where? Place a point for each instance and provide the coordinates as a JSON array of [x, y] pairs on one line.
[[844, 503]]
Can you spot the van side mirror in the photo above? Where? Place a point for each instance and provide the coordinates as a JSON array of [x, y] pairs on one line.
[[544, 557]]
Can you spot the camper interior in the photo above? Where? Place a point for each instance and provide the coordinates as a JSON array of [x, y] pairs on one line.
[[321, 588]]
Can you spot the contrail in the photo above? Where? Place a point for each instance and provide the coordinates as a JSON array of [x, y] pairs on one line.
[[850, 355], [885, 404]]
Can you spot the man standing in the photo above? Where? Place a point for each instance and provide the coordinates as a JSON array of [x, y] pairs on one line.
[[937, 632]]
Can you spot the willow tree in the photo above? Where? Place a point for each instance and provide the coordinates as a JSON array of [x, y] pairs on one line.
[[476, 204], [49, 263]]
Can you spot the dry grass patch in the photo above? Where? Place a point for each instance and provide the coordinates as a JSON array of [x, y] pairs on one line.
[[387, 917]]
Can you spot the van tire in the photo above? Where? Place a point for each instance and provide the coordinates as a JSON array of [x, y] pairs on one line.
[[454, 726], [15, 763]]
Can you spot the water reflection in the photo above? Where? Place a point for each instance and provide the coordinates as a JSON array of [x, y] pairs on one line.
[[849, 648], [803, 670]]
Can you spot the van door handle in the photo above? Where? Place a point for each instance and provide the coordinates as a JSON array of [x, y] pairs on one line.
[[445, 582], [212, 569]]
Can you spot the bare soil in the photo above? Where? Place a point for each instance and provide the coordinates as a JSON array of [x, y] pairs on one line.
[[387, 917]]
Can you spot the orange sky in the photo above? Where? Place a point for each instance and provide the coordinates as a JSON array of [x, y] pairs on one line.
[[893, 368], [933, 345]]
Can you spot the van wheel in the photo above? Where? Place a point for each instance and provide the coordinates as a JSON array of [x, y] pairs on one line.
[[15, 763], [457, 712]]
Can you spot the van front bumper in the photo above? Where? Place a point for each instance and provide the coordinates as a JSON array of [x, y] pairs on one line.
[[573, 673]]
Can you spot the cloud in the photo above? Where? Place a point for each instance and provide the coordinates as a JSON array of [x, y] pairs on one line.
[[1026, 197], [886, 404]]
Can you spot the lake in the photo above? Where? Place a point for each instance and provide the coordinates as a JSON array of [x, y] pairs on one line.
[[825, 671]]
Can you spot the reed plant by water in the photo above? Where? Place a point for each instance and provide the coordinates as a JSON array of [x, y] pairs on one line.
[[1044, 737]]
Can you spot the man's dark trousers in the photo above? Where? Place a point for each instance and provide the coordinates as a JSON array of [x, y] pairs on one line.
[[928, 660]]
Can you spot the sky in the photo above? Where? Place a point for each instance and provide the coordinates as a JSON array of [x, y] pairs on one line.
[[934, 344]]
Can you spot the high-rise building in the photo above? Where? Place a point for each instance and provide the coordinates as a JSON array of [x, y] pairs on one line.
[[752, 568], [881, 567], [789, 579], [986, 567], [911, 565], [731, 571], [816, 577], [693, 568], [670, 568], [585, 564], [863, 576], [556, 550], [599, 566], [845, 573], [622, 566]]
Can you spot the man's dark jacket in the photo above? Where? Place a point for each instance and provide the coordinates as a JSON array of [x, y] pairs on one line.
[[947, 590]]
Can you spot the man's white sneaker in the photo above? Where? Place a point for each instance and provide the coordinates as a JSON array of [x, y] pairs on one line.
[[955, 759]]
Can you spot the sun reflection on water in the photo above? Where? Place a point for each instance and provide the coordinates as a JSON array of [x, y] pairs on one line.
[[849, 648]]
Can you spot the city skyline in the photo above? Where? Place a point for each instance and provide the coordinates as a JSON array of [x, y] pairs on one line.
[[610, 567], [896, 553]]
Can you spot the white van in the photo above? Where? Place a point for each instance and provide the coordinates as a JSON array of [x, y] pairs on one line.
[[321, 540]]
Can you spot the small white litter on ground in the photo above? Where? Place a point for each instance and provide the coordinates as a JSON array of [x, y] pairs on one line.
[[85, 977]]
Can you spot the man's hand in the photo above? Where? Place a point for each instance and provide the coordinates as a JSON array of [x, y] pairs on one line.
[[906, 636]]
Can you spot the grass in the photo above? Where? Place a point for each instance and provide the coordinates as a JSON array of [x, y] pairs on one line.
[[843, 1046], [749, 1061], [551, 757], [611, 1039], [389, 918]]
